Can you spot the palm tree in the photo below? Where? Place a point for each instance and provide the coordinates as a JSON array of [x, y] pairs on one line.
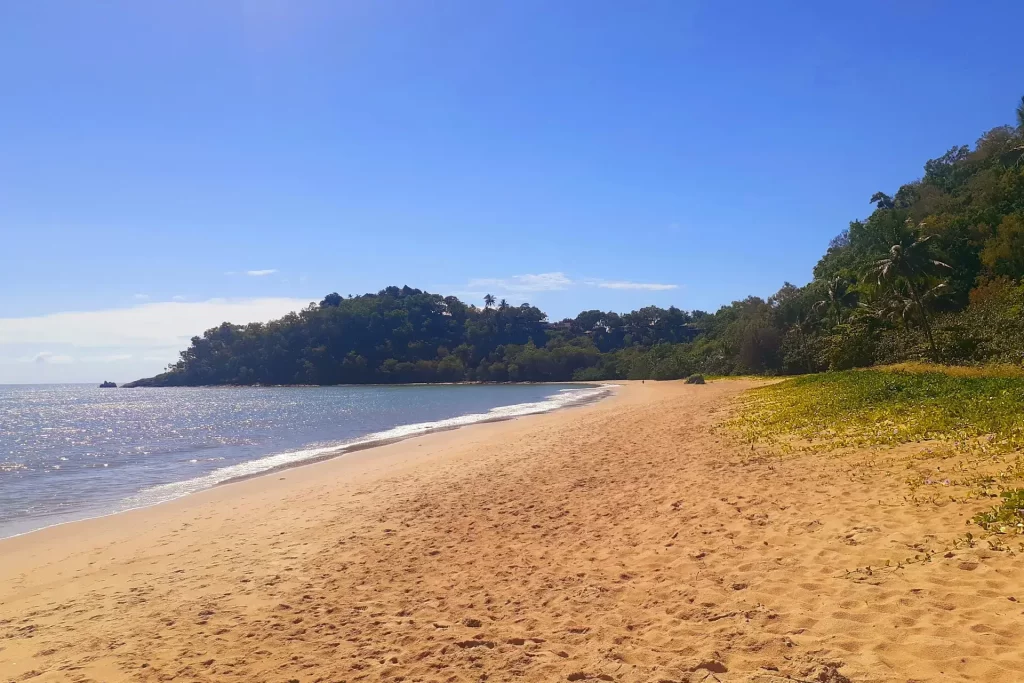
[[898, 308], [909, 262], [838, 299], [488, 300], [502, 305], [895, 306]]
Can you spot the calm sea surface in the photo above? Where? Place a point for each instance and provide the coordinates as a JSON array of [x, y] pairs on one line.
[[71, 452]]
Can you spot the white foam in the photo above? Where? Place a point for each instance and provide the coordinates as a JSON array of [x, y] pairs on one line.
[[165, 492]]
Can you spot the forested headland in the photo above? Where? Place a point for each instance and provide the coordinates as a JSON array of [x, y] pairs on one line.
[[935, 273]]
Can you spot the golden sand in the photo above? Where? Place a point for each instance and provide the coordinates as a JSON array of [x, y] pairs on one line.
[[622, 541]]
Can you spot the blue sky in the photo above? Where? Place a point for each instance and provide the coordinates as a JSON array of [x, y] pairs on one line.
[[154, 157]]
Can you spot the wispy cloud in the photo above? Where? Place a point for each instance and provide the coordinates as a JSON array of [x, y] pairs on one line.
[[49, 358], [556, 281], [625, 284], [538, 282], [141, 297], [177, 297], [261, 273]]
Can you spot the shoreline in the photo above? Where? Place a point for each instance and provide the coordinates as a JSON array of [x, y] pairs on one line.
[[476, 382], [366, 442], [631, 540]]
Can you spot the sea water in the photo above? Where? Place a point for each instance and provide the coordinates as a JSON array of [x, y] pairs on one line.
[[70, 452]]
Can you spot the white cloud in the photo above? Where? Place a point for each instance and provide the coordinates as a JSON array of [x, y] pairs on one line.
[[119, 343], [539, 282], [261, 273], [557, 281], [623, 284], [177, 297], [48, 357], [141, 297], [149, 325]]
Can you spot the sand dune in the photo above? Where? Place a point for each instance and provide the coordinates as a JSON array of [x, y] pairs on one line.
[[623, 541]]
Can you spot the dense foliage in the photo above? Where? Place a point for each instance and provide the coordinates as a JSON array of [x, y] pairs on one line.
[[407, 335], [935, 272]]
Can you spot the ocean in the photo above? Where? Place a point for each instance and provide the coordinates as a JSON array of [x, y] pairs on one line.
[[71, 452]]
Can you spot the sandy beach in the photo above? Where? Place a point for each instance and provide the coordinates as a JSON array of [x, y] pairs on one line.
[[628, 540]]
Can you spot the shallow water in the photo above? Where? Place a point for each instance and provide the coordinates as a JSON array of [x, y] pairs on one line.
[[71, 452]]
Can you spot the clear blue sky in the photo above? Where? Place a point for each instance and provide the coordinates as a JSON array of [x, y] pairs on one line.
[[153, 154]]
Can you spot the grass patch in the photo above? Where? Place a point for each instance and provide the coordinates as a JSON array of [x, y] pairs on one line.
[[888, 406]]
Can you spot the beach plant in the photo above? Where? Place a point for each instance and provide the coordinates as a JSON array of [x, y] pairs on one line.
[[992, 370], [859, 408], [963, 415], [1007, 516]]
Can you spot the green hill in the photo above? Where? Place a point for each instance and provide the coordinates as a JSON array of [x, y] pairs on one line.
[[934, 273]]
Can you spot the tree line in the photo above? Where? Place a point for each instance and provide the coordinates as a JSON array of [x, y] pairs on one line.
[[934, 272]]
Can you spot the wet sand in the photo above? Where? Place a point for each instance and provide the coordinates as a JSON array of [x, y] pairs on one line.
[[627, 540]]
